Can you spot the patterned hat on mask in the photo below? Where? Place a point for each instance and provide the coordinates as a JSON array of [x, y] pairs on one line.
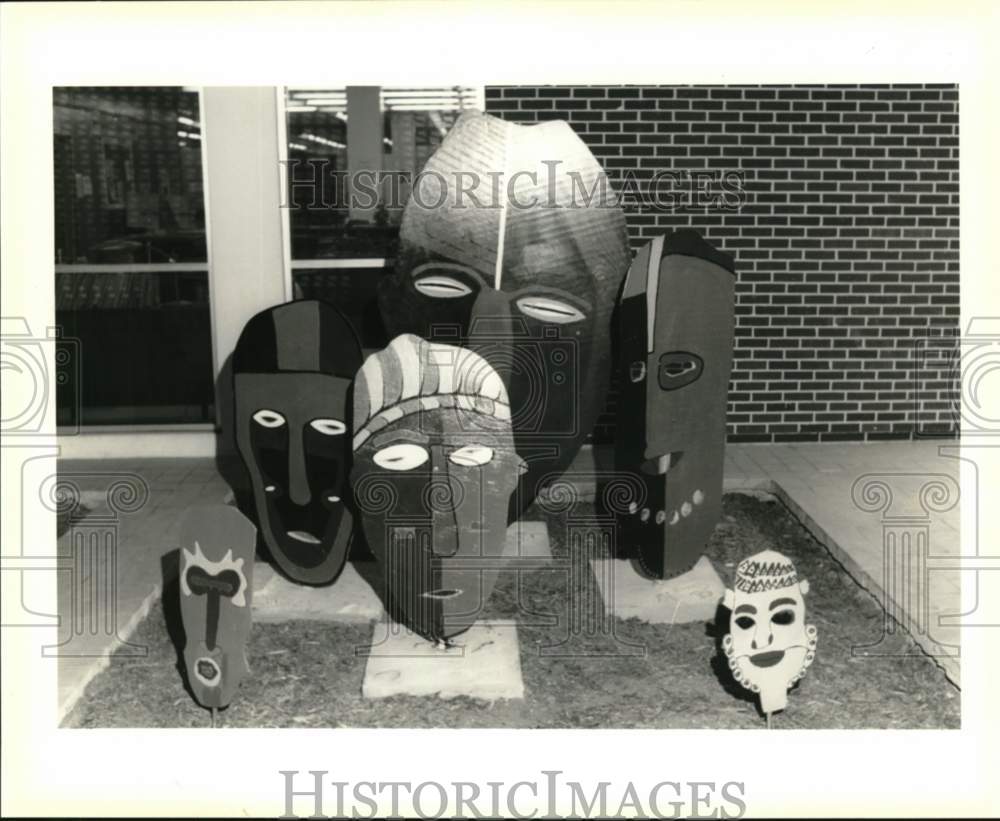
[[765, 571], [412, 374]]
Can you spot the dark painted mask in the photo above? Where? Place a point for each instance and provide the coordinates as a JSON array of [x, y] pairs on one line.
[[216, 585], [526, 275], [676, 337], [434, 469], [293, 367]]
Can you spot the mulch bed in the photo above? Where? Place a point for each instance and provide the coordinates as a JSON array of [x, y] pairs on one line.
[[605, 673]]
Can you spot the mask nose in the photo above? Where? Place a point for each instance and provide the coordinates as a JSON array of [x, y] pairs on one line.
[[491, 322], [444, 496], [762, 636], [298, 481]]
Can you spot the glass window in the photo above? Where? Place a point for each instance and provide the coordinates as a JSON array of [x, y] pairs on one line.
[[351, 154], [130, 254]]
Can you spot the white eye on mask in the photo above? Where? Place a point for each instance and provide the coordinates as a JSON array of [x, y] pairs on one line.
[[328, 427], [403, 456], [547, 309], [471, 456], [441, 286], [268, 418]]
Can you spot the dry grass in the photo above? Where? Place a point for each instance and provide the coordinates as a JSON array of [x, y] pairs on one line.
[[307, 674]]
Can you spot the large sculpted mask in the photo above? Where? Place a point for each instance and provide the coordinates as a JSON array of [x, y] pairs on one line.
[[676, 349], [293, 367], [434, 469], [524, 270]]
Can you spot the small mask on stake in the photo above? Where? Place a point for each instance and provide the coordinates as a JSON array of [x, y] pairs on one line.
[[769, 645], [216, 580]]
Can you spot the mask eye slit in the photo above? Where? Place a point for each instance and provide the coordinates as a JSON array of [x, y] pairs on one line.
[[403, 456], [328, 427], [471, 456], [546, 309], [745, 622], [441, 286], [268, 418], [677, 368]]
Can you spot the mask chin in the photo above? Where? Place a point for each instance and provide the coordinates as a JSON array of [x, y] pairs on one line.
[[309, 542], [433, 596]]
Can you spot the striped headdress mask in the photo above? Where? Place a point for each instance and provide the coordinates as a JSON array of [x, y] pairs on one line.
[[412, 375]]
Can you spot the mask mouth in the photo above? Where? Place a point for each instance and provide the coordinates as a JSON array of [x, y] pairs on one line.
[[767, 659], [303, 536], [441, 594], [207, 671]]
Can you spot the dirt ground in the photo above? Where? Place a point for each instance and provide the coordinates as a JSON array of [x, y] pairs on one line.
[[608, 674]]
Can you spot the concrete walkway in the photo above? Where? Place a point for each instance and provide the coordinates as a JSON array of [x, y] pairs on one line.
[[115, 554], [888, 512]]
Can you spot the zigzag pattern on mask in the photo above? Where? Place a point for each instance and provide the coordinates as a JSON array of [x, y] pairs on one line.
[[767, 570], [752, 569], [766, 584]]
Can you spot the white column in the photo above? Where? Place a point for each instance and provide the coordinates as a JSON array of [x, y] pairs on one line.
[[247, 261]]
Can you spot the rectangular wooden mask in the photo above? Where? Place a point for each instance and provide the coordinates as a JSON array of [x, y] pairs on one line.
[[676, 349]]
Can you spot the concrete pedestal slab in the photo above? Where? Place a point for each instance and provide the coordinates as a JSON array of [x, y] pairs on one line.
[[349, 599], [484, 663], [528, 542], [692, 596]]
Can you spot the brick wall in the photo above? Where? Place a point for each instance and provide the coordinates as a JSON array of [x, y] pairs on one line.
[[846, 238]]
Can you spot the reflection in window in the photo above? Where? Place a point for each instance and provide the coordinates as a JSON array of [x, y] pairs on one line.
[[336, 134], [353, 290], [145, 347], [128, 182], [131, 272]]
